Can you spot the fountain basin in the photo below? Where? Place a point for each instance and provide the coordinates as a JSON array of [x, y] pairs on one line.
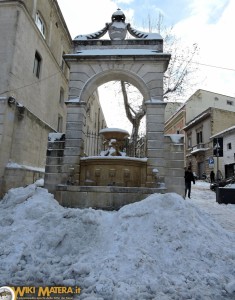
[[113, 171]]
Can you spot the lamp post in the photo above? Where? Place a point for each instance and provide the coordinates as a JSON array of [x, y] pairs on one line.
[[216, 147]]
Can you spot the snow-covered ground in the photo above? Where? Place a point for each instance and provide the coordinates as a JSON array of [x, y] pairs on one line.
[[161, 248], [206, 200]]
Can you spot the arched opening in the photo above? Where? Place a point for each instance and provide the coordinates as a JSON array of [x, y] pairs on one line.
[[113, 75], [126, 114]]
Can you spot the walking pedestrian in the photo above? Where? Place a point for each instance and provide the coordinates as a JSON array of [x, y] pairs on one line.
[[212, 176], [188, 176]]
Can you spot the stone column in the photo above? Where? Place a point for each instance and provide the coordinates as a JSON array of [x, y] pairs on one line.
[[155, 110], [74, 142], [174, 157]]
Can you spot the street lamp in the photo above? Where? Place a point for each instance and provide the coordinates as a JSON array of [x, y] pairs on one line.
[[217, 147]]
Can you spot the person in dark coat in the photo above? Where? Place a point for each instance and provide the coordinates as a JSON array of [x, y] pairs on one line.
[[212, 176], [188, 176]]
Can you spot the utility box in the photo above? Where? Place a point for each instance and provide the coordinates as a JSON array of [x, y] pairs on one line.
[[225, 195]]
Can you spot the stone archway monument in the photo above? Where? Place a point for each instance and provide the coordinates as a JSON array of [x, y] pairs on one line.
[[94, 61]]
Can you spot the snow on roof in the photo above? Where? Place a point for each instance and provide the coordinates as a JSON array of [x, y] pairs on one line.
[[115, 157], [199, 150], [224, 132], [176, 138], [116, 52], [118, 12], [197, 119], [55, 136], [109, 129]]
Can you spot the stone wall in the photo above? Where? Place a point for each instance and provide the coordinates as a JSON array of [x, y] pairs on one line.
[[174, 160], [102, 197], [17, 177], [39, 97], [23, 144], [7, 116]]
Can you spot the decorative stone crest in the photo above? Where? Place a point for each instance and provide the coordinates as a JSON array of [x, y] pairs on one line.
[[117, 30]]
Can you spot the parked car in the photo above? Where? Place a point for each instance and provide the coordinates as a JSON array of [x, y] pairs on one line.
[[222, 183]]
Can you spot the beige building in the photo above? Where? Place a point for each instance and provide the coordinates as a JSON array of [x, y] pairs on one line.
[[203, 99], [201, 116], [199, 146], [33, 86]]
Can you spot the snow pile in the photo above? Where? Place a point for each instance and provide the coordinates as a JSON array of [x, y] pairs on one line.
[[160, 248], [13, 165], [230, 186]]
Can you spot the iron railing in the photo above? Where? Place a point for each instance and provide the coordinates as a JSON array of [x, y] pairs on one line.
[[94, 144]]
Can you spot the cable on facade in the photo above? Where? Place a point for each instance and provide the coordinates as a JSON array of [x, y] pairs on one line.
[[36, 82], [211, 66]]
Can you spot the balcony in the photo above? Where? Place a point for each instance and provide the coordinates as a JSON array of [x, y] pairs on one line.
[[198, 148]]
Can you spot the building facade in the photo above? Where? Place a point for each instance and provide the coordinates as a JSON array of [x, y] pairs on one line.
[[228, 136], [199, 146], [202, 100], [33, 86], [201, 116], [176, 122]]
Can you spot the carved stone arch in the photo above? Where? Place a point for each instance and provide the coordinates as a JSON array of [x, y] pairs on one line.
[[111, 75], [142, 63]]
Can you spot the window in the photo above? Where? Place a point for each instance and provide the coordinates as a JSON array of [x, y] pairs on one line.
[[63, 62], [37, 64], [60, 123], [40, 24], [229, 102], [199, 137], [229, 146], [189, 142], [61, 96]]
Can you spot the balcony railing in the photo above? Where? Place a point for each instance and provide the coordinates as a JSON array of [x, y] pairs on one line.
[[199, 148]]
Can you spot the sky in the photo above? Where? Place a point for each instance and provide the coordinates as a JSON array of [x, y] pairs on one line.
[[208, 23], [161, 248]]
